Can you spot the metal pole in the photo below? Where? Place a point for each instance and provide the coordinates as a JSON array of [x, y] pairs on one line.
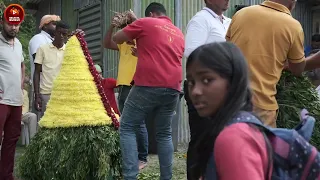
[[178, 13], [137, 8]]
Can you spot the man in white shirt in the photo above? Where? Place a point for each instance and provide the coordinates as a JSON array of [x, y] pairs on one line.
[[47, 27], [207, 26]]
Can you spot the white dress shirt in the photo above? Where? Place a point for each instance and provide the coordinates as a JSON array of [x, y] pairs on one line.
[[35, 42], [204, 28]]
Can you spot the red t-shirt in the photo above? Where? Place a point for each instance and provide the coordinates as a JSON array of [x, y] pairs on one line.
[[240, 153], [160, 47], [108, 85]]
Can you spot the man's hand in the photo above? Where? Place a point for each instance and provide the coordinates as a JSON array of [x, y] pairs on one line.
[[113, 24], [286, 66], [116, 20], [134, 51], [38, 102], [78, 31], [131, 43]]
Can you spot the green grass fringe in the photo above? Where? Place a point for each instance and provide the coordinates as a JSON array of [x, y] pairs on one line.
[[294, 94], [83, 153]]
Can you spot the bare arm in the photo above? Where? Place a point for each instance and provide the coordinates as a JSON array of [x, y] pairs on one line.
[[36, 78], [120, 37], [23, 68], [108, 42], [34, 57], [312, 62], [297, 68]]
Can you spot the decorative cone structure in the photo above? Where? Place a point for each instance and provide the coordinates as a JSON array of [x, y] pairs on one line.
[[293, 95], [78, 137]]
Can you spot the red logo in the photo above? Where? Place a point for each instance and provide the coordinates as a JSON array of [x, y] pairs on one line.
[[14, 14]]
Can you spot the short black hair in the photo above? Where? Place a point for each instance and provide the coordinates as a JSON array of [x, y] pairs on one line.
[[155, 7], [316, 38], [62, 25]]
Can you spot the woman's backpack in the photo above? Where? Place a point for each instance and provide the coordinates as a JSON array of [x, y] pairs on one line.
[[291, 157]]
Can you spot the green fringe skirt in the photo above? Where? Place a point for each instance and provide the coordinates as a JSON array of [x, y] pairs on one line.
[[83, 153]]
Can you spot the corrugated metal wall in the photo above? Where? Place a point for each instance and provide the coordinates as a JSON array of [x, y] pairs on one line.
[[68, 13], [316, 22], [90, 21], [229, 13], [111, 57], [303, 13], [189, 9], [48, 7]]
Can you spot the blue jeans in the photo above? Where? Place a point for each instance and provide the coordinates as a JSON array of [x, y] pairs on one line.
[[140, 102], [142, 135]]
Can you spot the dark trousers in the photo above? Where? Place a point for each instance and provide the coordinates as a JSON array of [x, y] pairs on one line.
[[10, 124], [196, 124], [122, 96]]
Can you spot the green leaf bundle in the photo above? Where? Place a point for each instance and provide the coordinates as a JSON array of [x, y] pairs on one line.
[[294, 94], [83, 153]]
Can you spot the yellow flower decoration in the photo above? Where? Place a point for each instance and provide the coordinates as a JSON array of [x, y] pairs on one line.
[[74, 100]]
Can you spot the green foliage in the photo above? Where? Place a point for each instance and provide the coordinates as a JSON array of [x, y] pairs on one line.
[[148, 176], [294, 94], [72, 153]]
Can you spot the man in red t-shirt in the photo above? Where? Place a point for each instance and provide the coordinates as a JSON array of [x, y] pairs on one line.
[[160, 47]]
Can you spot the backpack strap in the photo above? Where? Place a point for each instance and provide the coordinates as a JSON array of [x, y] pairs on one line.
[[270, 156], [247, 117]]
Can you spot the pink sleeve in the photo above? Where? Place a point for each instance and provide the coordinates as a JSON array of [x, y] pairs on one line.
[[134, 29], [240, 153]]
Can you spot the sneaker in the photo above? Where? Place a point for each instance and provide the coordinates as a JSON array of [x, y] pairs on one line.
[[142, 164]]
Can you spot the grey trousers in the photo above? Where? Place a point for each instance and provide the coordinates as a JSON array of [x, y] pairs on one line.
[[45, 98], [31, 120]]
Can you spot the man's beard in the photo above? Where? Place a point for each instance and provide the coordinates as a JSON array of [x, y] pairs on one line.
[[10, 35]]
